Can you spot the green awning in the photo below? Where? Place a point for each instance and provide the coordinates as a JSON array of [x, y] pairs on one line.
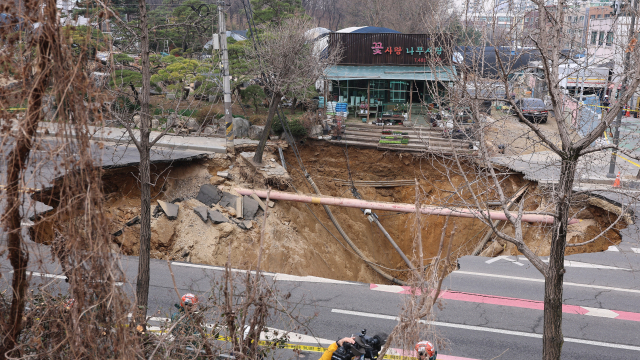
[[345, 72]]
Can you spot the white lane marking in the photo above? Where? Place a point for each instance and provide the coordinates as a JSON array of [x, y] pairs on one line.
[[35, 273], [504, 257], [46, 275], [276, 276], [579, 264], [605, 313], [491, 330], [210, 267], [495, 259], [387, 288], [313, 279], [635, 250], [613, 248], [566, 283]]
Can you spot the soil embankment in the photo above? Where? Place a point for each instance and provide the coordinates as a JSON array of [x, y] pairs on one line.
[[299, 239]]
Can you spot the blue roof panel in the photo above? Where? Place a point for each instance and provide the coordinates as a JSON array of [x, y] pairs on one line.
[[391, 72]]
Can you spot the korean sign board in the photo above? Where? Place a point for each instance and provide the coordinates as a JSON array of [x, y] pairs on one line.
[[393, 49]]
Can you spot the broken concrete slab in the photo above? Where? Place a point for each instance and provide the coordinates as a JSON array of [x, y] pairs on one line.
[[241, 224], [228, 200], [271, 204], [249, 208], [171, 210], [135, 220], [224, 174], [262, 205], [248, 224], [202, 212], [209, 195], [217, 217]]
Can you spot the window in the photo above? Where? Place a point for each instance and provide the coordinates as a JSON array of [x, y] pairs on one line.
[[606, 16], [592, 17], [594, 36], [569, 18], [601, 38], [581, 18], [599, 16], [609, 38]]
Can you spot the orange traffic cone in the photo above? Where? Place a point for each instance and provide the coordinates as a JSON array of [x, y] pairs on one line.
[[616, 183], [628, 112]]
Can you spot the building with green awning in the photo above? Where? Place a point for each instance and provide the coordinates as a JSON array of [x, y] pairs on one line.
[[389, 73]]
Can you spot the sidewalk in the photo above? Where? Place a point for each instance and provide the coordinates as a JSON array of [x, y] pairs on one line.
[[544, 167], [120, 136]]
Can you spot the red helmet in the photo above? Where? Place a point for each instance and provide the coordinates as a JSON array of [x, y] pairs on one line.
[[69, 303], [425, 348], [189, 299]]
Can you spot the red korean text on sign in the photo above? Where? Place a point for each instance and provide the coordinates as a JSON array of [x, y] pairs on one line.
[[398, 50], [388, 50], [377, 48]]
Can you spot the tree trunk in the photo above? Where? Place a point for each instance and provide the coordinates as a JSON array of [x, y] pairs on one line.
[[552, 339], [273, 106], [293, 105], [142, 285], [16, 164]]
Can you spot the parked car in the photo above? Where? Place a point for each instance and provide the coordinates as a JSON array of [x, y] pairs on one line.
[[532, 109]]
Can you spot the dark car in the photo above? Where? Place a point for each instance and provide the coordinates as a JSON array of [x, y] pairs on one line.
[[533, 110]]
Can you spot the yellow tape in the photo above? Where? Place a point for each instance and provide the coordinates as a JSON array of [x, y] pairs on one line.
[[621, 157], [300, 347], [609, 107], [315, 200]]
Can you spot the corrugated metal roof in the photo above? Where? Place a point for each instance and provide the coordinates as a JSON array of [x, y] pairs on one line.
[[390, 72]]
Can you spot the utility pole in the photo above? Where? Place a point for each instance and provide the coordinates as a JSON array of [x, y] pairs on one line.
[[627, 63], [228, 119]]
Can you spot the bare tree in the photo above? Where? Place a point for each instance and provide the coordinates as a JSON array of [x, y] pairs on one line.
[[566, 147], [143, 142], [54, 75], [290, 63]]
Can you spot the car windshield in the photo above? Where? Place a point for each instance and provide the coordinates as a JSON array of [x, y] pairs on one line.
[[532, 103]]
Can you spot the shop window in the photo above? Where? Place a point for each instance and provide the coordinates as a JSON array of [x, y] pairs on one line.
[[398, 91], [378, 89]]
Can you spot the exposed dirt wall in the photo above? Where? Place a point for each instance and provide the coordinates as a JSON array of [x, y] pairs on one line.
[[297, 242]]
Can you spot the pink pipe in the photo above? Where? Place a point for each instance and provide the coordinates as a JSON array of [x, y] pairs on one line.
[[386, 206]]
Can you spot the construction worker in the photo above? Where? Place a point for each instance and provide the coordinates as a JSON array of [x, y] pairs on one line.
[[187, 308], [333, 347], [606, 104], [426, 351]]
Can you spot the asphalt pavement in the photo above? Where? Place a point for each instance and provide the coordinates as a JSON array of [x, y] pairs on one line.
[[490, 306]]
